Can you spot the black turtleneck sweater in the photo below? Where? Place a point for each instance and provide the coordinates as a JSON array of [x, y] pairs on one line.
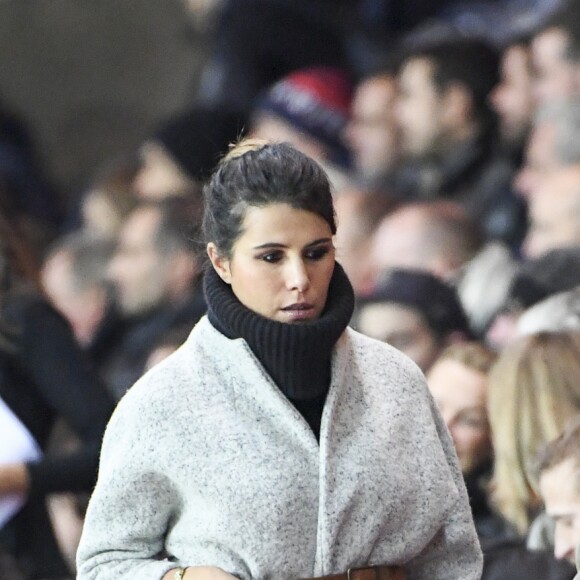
[[296, 356]]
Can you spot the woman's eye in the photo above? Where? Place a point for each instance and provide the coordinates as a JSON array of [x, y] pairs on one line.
[[317, 253], [271, 257]]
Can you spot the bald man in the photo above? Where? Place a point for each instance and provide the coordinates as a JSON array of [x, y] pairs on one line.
[[434, 236]]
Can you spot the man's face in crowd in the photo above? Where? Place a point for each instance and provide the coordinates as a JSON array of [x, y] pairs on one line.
[[372, 133], [461, 393], [560, 490], [138, 270], [512, 98], [419, 107], [555, 75]]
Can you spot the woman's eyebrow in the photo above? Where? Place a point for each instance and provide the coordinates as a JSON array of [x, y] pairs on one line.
[[269, 245], [319, 241], [278, 245]]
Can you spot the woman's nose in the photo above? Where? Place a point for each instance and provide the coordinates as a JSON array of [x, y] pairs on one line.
[[297, 276]]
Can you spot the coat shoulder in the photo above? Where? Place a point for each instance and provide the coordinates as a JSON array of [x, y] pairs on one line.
[[373, 355]]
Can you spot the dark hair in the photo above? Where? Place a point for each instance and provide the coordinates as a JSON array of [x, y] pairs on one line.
[[435, 300], [195, 139], [519, 38], [18, 264], [18, 276], [256, 173], [471, 62]]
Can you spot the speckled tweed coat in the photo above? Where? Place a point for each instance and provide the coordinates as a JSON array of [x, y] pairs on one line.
[[206, 459]]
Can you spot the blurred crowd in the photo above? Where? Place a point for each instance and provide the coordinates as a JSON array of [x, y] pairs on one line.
[[451, 135]]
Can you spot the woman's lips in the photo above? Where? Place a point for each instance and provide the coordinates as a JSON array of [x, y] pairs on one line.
[[299, 311]]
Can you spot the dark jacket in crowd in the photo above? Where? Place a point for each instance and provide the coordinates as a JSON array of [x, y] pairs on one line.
[[488, 523], [473, 176], [511, 560], [45, 377], [505, 556], [124, 348]]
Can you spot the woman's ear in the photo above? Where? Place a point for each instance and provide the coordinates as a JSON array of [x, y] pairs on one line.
[[220, 264]]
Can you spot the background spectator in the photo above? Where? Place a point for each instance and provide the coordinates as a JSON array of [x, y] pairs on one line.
[[45, 379], [448, 132], [359, 213], [558, 465], [435, 236], [156, 273], [555, 54], [533, 391], [533, 281], [74, 276], [108, 200], [415, 312], [512, 98], [554, 214], [372, 132], [309, 109], [553, 145], [183, 151]]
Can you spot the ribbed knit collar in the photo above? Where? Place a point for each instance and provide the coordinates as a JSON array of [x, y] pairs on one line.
[[296, 356]]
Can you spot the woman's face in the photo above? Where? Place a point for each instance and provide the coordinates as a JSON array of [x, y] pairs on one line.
[[461, 395], [281, 264]]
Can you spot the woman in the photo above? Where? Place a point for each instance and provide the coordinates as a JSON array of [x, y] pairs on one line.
[[277, 443], [534, 388], [458, 382], [43, 378]]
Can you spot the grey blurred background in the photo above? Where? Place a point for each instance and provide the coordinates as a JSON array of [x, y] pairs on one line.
[[92, 77]]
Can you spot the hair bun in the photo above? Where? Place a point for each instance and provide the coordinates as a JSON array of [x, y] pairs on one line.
[[244, 146]]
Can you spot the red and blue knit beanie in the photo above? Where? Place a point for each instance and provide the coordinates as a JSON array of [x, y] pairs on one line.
[[316, 101]]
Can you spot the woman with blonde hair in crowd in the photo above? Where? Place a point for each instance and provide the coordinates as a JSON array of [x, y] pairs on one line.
[[458, 382], [534, 389]]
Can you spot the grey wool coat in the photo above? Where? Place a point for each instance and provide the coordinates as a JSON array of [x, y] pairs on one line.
[[206, 462]]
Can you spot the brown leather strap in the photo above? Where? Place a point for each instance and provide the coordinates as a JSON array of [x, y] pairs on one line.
[[369, 573]]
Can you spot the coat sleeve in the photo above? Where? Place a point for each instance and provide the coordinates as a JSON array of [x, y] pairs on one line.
[[133, 502], [454, 551]]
